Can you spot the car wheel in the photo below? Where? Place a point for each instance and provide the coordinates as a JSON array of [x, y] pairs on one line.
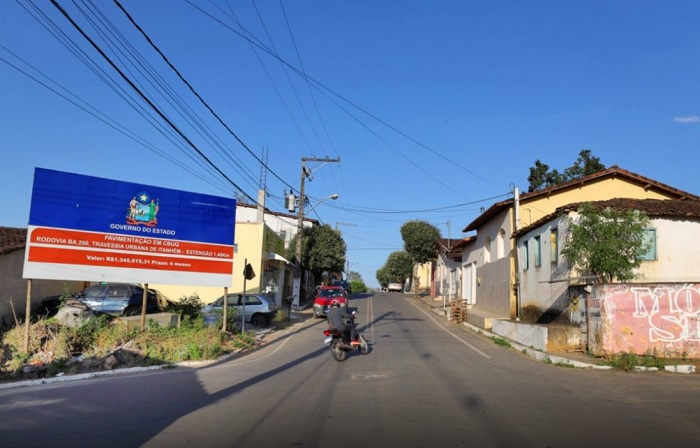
[[258, 321], [132, 311]]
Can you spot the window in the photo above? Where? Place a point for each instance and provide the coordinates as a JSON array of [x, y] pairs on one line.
[[252, 300], [650, 241], [538, 252], [526, 255], [554, 248]]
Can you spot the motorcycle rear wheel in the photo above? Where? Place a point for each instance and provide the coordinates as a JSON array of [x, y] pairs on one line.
[[337, 351]]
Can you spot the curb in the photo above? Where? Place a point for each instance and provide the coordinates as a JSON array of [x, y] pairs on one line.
[[560, 360], [62, 378]]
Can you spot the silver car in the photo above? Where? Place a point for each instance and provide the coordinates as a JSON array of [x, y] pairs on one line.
[[260, 309]]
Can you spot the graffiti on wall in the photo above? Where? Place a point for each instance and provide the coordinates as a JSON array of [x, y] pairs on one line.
[[672, 313], [662, 318]]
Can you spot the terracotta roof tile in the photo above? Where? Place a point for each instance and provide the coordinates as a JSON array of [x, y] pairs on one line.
[[12, 239], [613, 171], [667, 208]]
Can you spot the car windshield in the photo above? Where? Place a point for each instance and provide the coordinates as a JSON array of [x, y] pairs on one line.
[[331, 293]]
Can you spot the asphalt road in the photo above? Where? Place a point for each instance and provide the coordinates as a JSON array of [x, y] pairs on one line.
[[426, 383]]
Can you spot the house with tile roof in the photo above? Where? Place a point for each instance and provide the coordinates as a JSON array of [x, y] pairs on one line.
[[492, 262], [657, 312], [14, 288], [447, 269]]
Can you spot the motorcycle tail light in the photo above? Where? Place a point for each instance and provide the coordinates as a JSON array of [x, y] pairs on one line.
[[326, 332]]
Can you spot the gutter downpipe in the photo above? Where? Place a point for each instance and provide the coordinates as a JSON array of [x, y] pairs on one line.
[[516, 218]]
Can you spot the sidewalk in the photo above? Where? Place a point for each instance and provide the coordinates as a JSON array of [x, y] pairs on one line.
[[577, 359]]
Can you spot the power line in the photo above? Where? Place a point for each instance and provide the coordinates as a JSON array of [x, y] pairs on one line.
[[54, 30], [182, 78], [147, 100], [332, 92]]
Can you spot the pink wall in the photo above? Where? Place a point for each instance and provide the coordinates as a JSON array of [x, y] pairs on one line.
[[661, 319]]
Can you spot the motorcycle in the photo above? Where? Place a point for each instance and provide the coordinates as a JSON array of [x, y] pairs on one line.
[[340, 344]]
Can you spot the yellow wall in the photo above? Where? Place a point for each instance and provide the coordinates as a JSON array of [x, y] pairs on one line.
[[249, 239], [600, 190], [422, 272], [533, 209]]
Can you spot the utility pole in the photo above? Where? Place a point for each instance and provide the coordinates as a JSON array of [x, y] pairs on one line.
[[300, 219]]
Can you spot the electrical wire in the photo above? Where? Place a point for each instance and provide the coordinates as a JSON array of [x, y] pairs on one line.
[[321, 86], [146, 99], [199, 97]]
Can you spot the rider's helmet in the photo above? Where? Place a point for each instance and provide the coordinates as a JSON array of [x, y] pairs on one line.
[[335, 303]]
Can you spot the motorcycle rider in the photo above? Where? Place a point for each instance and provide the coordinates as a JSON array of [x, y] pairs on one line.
[[337, 321]]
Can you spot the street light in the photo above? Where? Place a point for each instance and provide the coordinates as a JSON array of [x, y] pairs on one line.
[[300, 223], [334, 196], [300, 227]]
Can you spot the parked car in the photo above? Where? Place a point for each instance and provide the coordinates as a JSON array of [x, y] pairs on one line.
[[113, 298], [260, 309], [394, 287], [325, 295]]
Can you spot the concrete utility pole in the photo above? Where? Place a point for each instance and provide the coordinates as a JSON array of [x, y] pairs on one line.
[[300, 216]]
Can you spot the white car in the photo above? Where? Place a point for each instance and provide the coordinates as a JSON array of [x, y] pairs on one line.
[[394, 287], [260, 309]]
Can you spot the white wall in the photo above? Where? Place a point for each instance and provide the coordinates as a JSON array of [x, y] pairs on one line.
[[492, 288], [542, 287], [278, 223], [546, 287], [678, 252]]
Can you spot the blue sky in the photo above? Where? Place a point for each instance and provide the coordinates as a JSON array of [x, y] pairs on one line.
[[435, 109]]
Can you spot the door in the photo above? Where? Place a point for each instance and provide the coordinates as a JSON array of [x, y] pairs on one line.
[[94, 296], [452, 288], [468, 293]]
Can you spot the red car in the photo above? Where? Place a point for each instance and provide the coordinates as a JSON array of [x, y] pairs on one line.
[[325, 295]]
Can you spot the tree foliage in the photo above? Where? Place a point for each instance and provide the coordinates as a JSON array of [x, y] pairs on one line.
[[290, 253], [419, 239], [383, 276], [542, 177], [322, 250], [356, 283], [326, 251], [608, 244], [358, 286], [399, 266]]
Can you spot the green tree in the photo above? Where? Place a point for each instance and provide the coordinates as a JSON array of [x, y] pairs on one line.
[[326, 251], [419, 238], [542, 177], [352, 275], [399, 266], [608, 244], [584, 165], [383, 276], [358, 286], [290, 253]]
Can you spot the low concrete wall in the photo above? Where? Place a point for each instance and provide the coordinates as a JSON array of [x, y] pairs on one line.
[[164, 319], [546, 338], [534, 336]]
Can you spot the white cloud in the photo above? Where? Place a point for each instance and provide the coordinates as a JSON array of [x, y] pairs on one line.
[[688, 119]]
